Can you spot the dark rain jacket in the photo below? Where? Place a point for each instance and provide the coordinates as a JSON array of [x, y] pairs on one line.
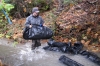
[[31, 20]]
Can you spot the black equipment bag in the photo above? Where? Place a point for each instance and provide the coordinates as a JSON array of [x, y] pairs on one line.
[[69, 62], [37, 32]]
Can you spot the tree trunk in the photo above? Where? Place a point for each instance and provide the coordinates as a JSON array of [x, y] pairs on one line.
[[60, 7]]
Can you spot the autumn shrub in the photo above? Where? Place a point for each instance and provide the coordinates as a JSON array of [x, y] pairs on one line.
[[4, 15], [3, 23], [43, 4]]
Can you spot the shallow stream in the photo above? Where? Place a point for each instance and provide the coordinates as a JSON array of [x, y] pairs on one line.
[[22, 55]]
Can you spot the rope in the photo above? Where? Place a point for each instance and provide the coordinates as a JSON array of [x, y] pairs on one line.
[[8, 19]]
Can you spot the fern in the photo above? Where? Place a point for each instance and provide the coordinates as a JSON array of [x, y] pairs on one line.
[[6, 6]]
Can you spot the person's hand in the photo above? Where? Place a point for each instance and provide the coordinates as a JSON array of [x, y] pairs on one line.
[[45, 25], [30, 26]]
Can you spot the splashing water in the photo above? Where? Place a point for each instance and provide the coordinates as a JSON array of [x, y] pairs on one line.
[[36, 54], [22, 55]]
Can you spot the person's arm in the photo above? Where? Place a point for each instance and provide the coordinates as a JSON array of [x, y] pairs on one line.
[[42, 22], [27, 23]]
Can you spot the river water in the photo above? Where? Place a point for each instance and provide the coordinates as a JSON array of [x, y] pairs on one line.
[[22, 55]]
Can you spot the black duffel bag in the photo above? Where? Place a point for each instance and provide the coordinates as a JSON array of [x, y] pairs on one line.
[[69, 62], [37, 32]]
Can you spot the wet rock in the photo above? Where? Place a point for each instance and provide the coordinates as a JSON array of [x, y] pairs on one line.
[[1, 64], [69, 62]]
